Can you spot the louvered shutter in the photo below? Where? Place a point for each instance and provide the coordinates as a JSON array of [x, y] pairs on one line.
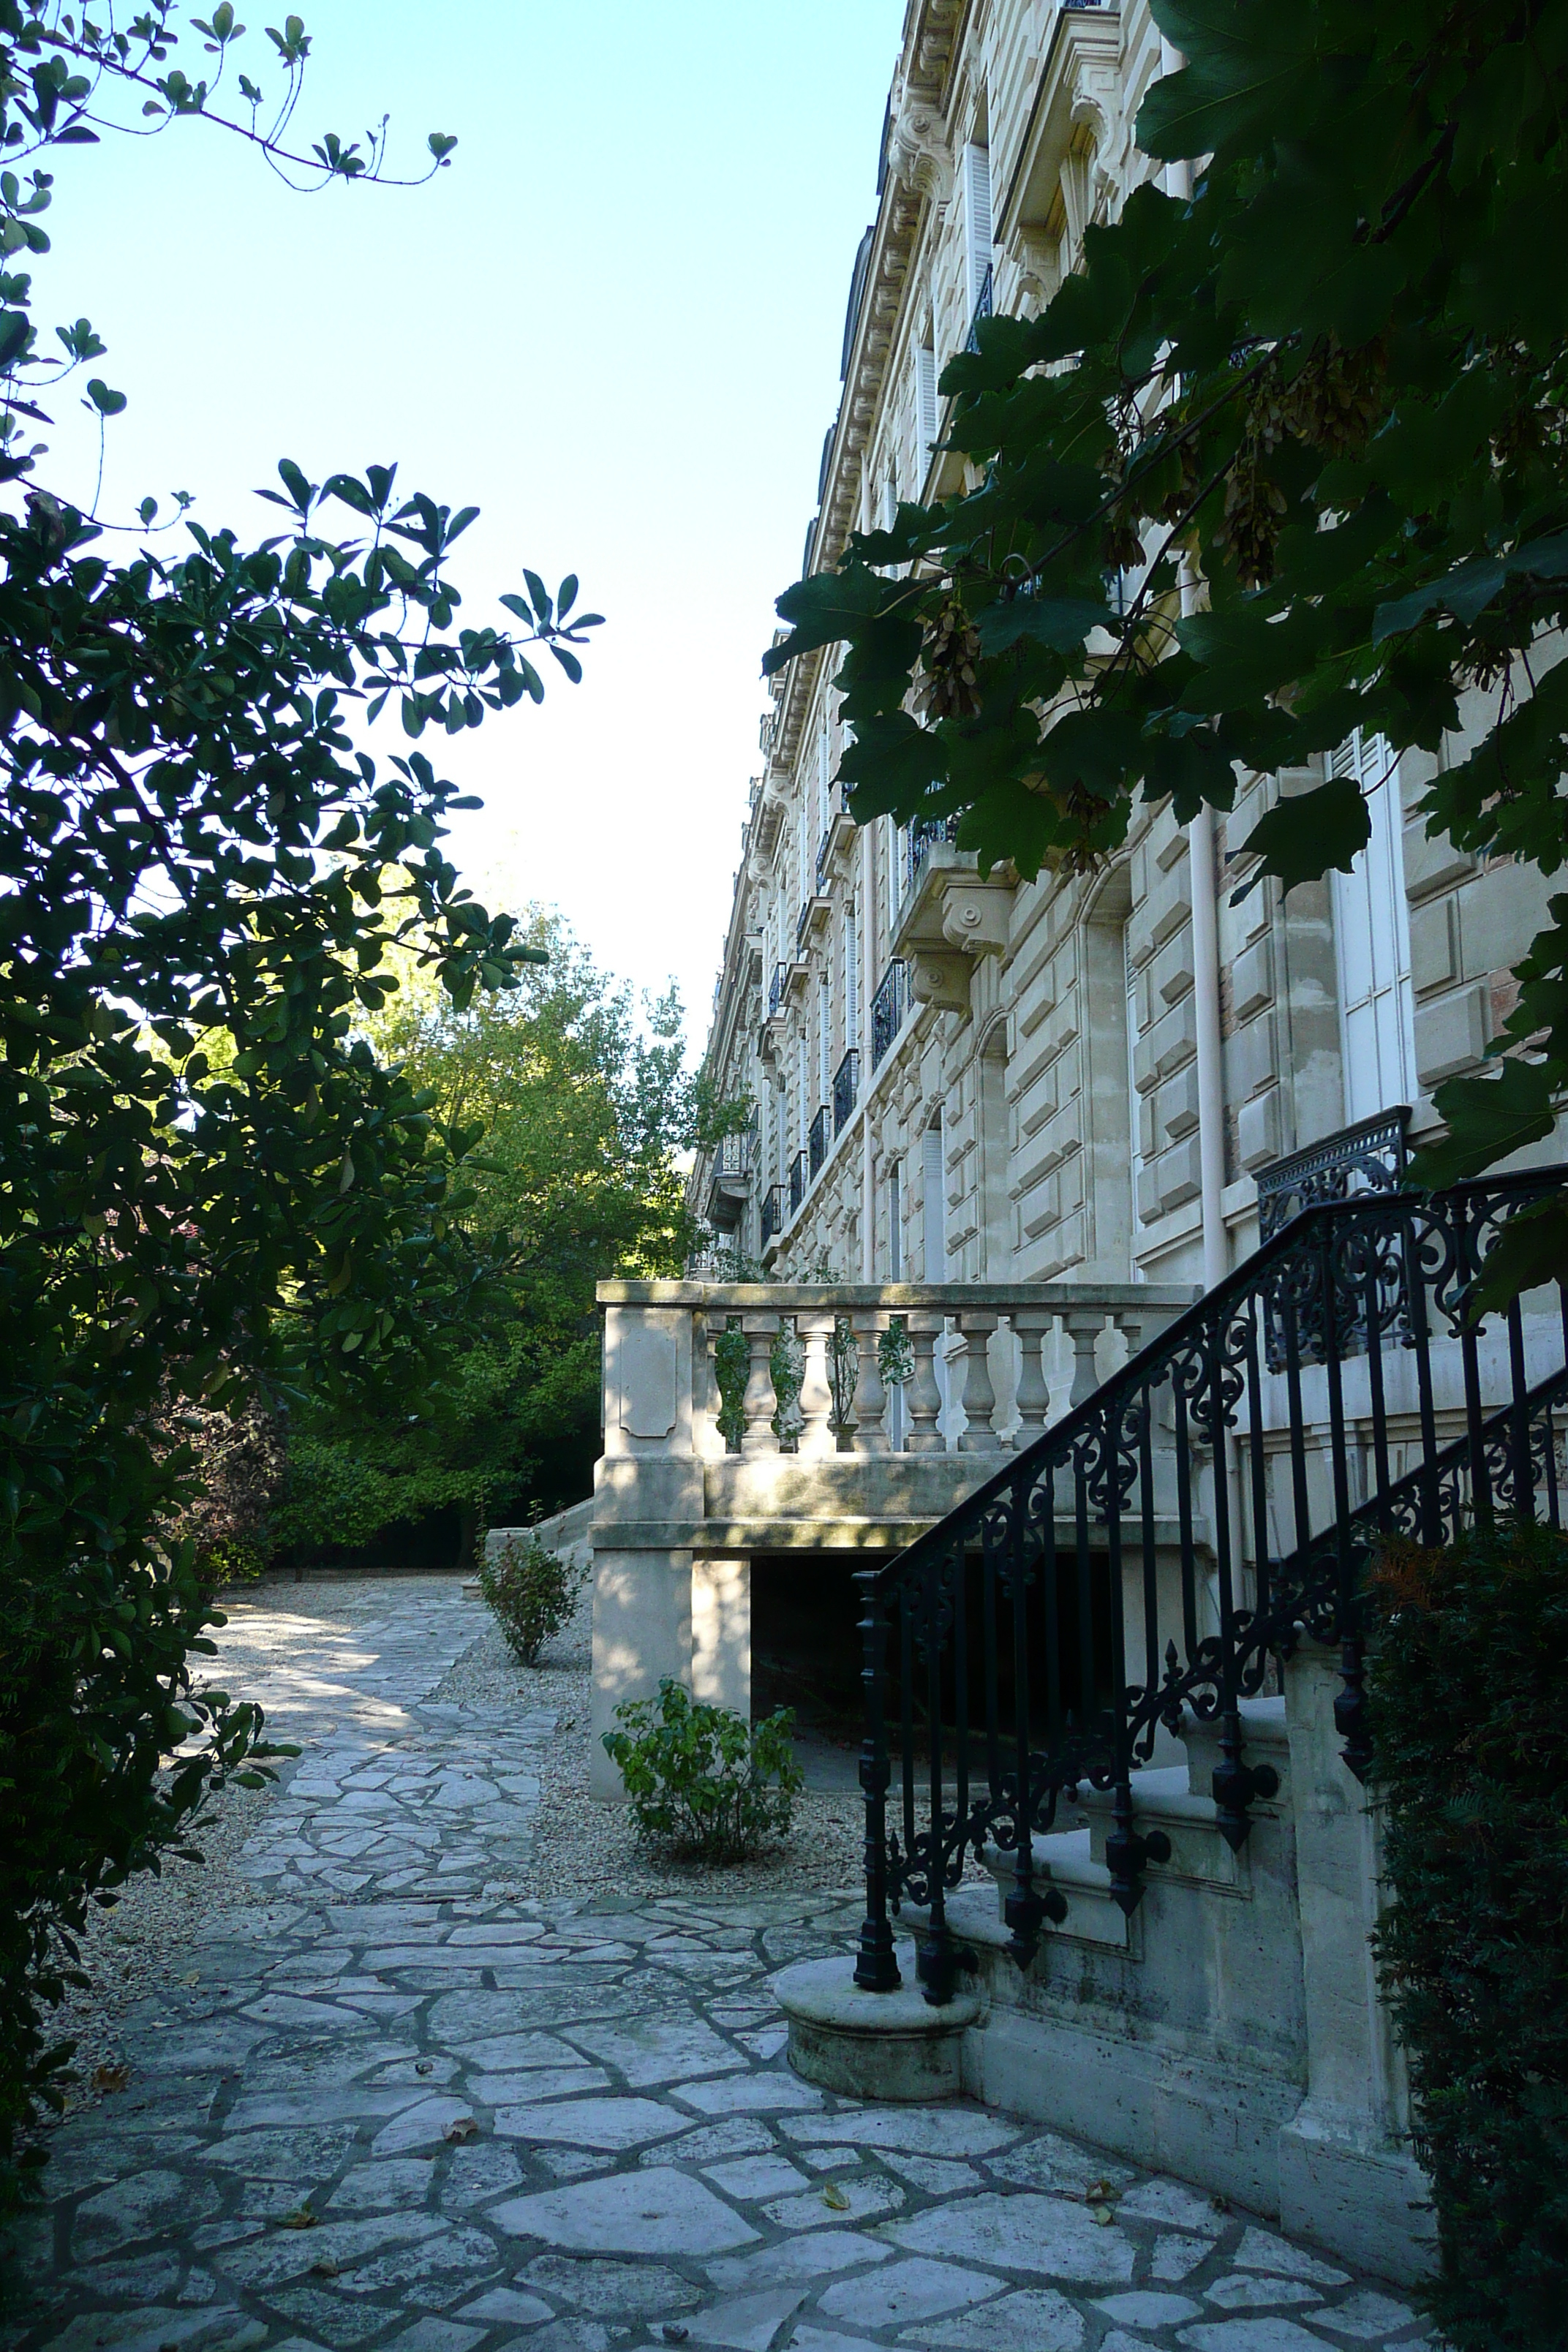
[[976, 219], [925, 399]]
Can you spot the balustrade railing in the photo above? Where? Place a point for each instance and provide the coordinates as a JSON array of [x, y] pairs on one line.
[[982, 1369], [887, 1012], [845, 1090], [1152, 1556]]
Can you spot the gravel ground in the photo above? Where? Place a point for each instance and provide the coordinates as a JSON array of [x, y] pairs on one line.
[[153, 1936], [583, 1846]]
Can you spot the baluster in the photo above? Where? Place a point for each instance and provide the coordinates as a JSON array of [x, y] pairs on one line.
[[872, 1401], [922, 1396], [979, 1395], [1084, 1330], [816, 1390], [760, 1331], [707, 1401], [1034, 1389]]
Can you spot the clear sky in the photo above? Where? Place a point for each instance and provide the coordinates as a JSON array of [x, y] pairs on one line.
[[614, 324]]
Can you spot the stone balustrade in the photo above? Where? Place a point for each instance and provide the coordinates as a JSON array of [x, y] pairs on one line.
[[745, 1422], [814, 1370]]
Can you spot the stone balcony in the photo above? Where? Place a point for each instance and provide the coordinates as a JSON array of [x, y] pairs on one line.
[[750, 1423]]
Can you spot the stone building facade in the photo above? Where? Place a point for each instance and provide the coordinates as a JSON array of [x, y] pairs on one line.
[[960, 1078]]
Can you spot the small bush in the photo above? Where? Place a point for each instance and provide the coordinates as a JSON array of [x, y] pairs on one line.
[[533, 1591], [1470, 1683], [701, 1779]]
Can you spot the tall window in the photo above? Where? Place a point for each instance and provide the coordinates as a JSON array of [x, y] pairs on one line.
[[896, 1222], [1372, 938]]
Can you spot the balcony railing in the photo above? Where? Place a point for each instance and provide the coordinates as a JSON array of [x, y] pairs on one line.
[[776, 989], [887, 1012], [982, 311], [845, 1090], [818, 1137], [919, 840], [796, 1182], [802, 924], [823, 851], [736, 1153], [773, 1212], [1367, 1158]]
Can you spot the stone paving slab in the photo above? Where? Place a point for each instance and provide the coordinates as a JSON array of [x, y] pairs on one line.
[[406, 2106]]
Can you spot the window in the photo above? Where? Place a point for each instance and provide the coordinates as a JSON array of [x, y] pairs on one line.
[[896, 1222], [1371, 940]]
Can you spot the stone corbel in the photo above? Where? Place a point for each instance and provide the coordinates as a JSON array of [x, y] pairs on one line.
[[918, 156], [938, 980], [975, 915]]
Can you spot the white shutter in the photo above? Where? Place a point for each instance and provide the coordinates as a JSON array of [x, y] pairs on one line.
[[925, 400], [976, 218], [824, 1039], [851, 980], [933, 1171], [895, 1226]]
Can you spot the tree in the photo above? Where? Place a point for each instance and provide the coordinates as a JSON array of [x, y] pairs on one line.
[[207, 1177], [1314, 418], [573, 1178]]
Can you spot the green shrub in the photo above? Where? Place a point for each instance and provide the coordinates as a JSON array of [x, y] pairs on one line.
[[531, 1590], [701, 1779], [1469, 1682]]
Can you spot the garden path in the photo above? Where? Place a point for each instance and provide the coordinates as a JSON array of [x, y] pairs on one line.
[[403, 2104]]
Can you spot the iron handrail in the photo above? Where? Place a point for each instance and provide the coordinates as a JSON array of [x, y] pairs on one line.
[[1341, 1279]]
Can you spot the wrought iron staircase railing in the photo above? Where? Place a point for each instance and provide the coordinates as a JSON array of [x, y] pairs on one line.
[[1172, 1540]]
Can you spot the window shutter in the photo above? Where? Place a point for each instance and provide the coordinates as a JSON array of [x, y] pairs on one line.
[[976, 218], [851, 981], [925, 400], [933, 1171]]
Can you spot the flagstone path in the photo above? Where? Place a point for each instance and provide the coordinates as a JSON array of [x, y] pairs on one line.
[[405, 2105]]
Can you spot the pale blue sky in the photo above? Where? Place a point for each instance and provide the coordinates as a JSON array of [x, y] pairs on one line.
[[614, 324]]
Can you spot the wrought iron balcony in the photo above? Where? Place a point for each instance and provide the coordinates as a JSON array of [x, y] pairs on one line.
[[736, 1153], [802, 924], [818, 1137], [887, 1012], [824, 853], [922, 834], [982, 311], [1367, 1158], [729, 1184], [796, 1182], [773, 1212], [846, 1088], [777, 988]]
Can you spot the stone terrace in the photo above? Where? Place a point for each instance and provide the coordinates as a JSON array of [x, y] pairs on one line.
[[405, 2105]]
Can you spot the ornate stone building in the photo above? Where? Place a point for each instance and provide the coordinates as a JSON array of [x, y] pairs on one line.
[[986, 1080]]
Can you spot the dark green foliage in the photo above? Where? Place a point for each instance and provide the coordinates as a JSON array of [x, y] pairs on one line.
[[1469, 1685], [701, 1779], [531, 1590], [576, 1179], [1316, 419], [209, 1187]]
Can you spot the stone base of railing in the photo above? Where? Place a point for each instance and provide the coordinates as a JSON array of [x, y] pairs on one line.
[[873, 2046]]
